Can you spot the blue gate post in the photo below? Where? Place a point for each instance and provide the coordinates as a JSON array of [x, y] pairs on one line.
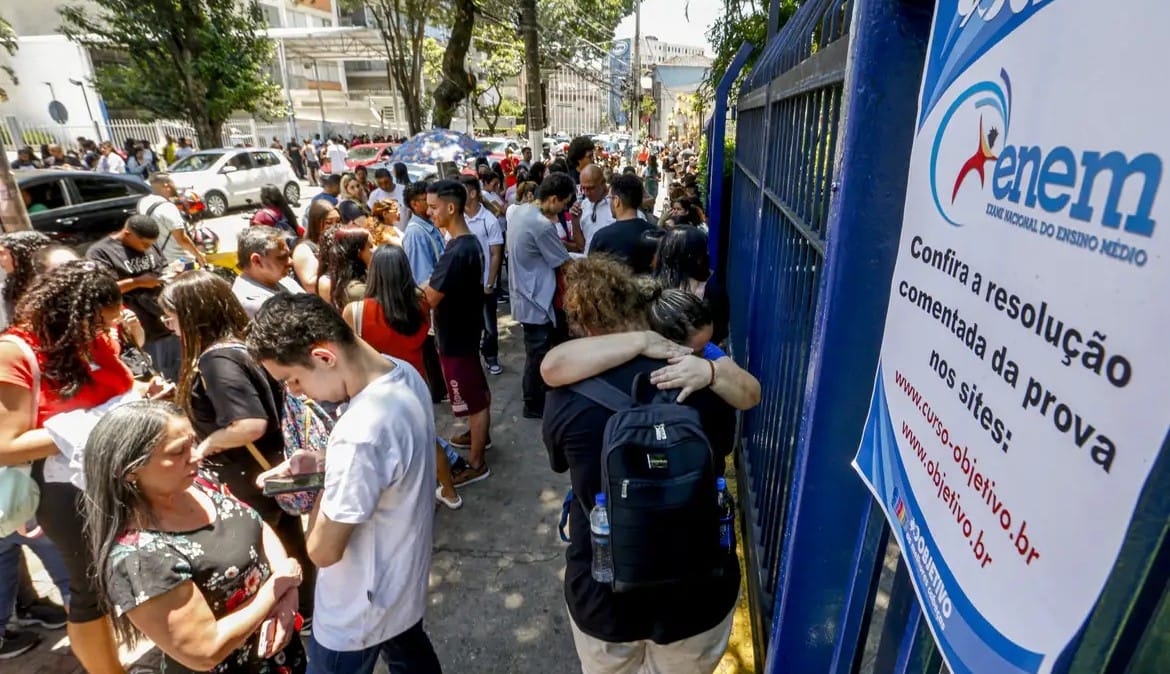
[[820, 559], [715, 158]]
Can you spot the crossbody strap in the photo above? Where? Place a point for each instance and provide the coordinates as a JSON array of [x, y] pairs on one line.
[[252, 449], [34, 369]]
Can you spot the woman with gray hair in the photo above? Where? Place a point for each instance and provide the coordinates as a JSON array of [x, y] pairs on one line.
[[177, 558]]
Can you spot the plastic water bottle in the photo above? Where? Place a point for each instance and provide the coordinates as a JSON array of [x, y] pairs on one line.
[[726, 514], [602, 553]]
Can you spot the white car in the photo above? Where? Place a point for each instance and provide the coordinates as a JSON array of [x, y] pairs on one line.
[[230, 177]]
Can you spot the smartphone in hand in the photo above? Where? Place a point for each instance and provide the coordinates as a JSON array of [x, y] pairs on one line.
[[294, 483]]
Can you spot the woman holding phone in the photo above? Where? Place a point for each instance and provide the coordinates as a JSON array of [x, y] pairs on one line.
[[233, 404], [180, 560]]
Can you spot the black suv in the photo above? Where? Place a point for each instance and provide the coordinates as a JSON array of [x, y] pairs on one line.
[[77, 208]]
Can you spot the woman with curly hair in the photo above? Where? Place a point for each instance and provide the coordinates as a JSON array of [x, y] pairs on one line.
[[60, 357], [306, 257], [17, 252], [345, 257], [689, 617], [233, 404]]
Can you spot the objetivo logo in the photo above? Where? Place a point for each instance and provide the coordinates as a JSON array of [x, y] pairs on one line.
[[973, 166]]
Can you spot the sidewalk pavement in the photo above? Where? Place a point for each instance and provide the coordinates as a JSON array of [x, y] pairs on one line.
[[496, 599]]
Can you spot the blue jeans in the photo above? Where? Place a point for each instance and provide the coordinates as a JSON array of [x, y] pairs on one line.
[[452, 457], [10, 559], [408, 653]]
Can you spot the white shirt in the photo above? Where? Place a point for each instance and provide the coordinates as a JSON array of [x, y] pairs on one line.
[[336, 154], [495, 200], [252, 295], [588, 225], [379, 194], [184, 151], [170, 220], [111, 163], [486, 229], [380, 476]]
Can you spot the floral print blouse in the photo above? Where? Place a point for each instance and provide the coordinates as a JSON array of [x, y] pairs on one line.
[[224, 559]]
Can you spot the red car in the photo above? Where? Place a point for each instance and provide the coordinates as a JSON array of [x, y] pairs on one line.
[[362, 155]]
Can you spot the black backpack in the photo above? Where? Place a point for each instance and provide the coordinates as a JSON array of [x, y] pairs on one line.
[[658, 474]]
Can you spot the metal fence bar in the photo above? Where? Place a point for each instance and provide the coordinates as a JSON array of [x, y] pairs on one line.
[[885, 63]]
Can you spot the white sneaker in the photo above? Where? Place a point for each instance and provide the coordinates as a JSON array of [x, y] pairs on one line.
[[455, 504]]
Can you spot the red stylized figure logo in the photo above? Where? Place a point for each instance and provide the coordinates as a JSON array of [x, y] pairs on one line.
[[979, 160]]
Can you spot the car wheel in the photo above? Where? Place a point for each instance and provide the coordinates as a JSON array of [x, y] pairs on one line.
[[216, 204], [292, 193]]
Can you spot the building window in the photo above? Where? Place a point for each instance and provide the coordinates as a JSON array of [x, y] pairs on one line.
[[271, 16]]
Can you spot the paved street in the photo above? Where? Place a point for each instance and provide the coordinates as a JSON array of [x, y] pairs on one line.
[[496, 602]]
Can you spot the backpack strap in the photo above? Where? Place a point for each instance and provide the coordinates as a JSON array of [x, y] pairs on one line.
[[170, 232], [359, 310], [604, 393]]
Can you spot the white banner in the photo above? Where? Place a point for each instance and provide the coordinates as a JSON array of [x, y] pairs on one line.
[[1023, 389]]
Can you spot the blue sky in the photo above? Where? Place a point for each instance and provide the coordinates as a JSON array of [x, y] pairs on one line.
[[664, 19]]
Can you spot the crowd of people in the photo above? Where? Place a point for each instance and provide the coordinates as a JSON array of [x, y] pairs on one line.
[[158, 405]]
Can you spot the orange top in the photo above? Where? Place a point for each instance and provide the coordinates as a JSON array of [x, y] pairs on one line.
[[377, 333]]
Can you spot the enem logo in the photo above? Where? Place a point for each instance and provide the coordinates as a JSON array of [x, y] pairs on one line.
[[1089, 186]]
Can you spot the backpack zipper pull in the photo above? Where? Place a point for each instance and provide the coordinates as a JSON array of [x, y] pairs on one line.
[[625, 487]]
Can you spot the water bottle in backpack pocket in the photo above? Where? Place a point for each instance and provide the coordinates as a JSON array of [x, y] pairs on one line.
[[658, 475]]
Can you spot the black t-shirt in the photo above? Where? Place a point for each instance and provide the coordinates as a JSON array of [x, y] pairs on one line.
[[126, 263], [629, 241], [459, 276], [230, 387], [574, 426], [716, 298]]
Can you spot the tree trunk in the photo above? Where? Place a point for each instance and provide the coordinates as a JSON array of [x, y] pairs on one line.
[[207, 133], [12, 211], [457, 83]]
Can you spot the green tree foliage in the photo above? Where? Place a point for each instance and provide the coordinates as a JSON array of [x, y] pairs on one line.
[[402, 24], [503, 59], [8, 44], [197, 60], [741, 21]]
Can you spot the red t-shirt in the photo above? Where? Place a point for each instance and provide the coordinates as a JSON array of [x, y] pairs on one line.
[[110, 376], [377, 333], [509, 164]]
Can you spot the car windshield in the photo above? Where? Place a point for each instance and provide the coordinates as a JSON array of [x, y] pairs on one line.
[[495, 146], [200, 161], [363, 153]]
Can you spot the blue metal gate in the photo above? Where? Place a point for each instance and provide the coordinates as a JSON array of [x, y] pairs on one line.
[[824, 133]]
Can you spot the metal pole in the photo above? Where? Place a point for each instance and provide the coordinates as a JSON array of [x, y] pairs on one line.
[[636, 106], [320, 98], [85, 97], [536, 120]]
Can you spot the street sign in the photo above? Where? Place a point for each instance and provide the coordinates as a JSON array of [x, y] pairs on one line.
[[58, 112]]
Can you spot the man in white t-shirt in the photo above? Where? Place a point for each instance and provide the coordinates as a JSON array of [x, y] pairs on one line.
[[387, 189], [174, 240], [336, 153], [486, 228], [591, 213], [370, 533]]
